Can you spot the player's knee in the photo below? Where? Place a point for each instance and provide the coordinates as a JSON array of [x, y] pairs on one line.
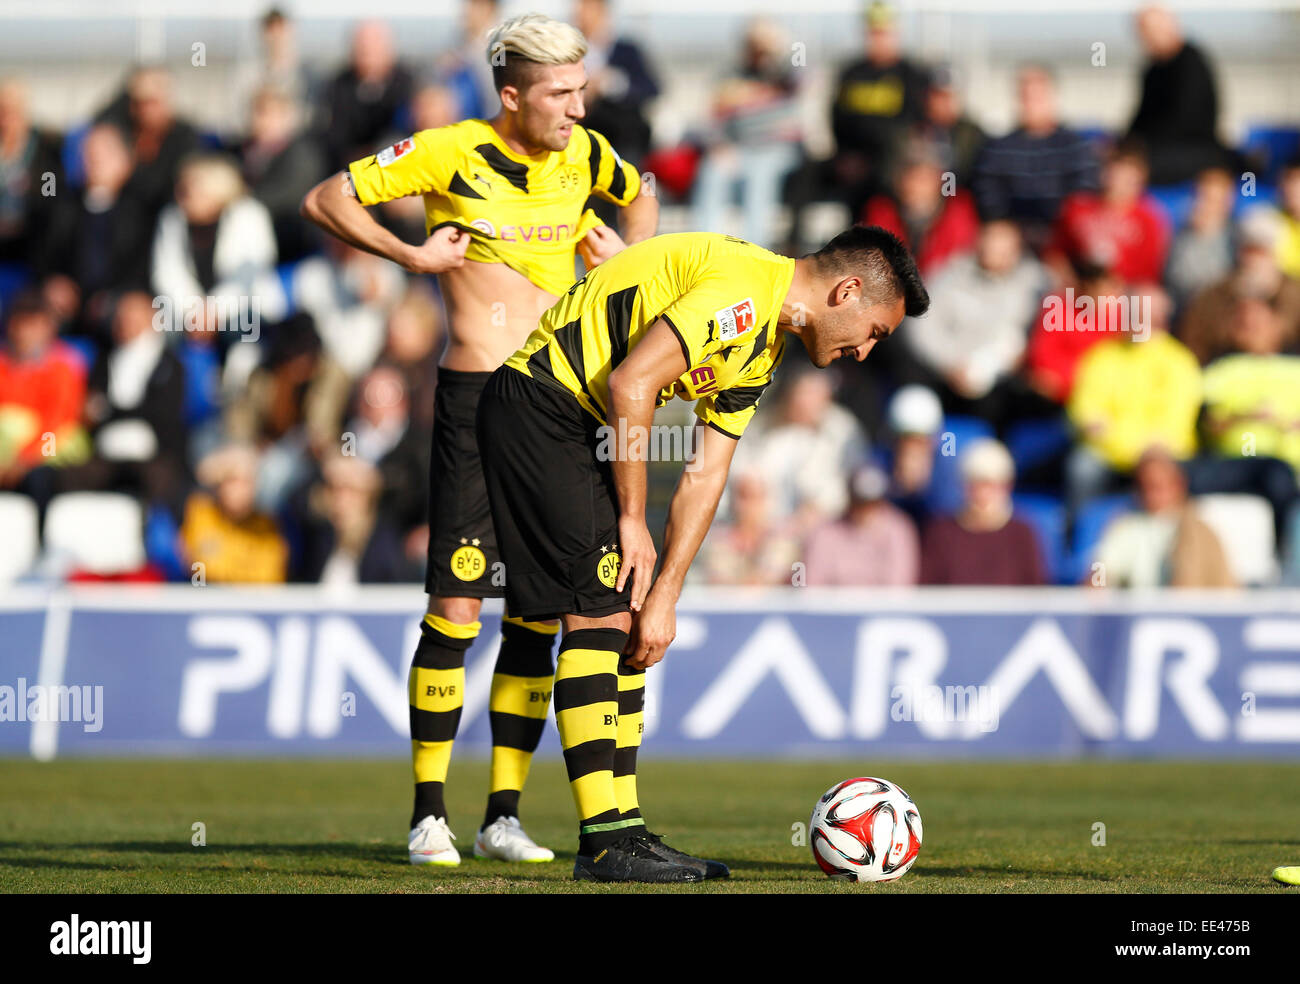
[[462, 611], [619, 620]]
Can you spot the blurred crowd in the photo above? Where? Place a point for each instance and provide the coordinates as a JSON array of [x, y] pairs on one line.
[[1106, 389]]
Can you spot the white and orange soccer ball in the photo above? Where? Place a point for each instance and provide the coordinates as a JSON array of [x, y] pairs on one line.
[[865, 830]]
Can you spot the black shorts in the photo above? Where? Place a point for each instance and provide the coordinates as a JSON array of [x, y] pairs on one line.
[[554, 503], [463, 558]]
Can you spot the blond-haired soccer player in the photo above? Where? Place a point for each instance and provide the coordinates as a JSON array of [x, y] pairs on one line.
[[504, 209], [562, 432]]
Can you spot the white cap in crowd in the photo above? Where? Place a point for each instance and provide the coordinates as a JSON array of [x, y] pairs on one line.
[[915, 410], [868, 483], [987, 460]]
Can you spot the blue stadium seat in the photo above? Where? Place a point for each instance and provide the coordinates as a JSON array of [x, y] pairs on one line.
[[1176, 200], [1265, 193], [1098, 136], [160, 535], [13, 278], [1277, 144], [1036, 442], [286, 271], [86, 348], [1045, 514], [946, 493], [70, 155], [1089, 525]]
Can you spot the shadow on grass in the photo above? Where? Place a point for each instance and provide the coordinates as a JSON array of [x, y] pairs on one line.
[[249, 858], [362, 852], [993, 871]]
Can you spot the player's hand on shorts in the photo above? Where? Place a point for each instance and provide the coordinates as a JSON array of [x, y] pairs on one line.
[[638, 561], [599, 245], [444, 250], [653, 629]]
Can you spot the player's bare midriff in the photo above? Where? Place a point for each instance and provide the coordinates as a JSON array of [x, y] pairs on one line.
[[491, 311]]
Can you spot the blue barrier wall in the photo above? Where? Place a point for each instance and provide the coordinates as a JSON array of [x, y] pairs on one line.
[[944, 673]]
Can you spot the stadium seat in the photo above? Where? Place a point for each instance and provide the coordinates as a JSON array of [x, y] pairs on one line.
[[86, 348], [946, 493], [99, 532], [1244, 525], [1096, 135], [70, 154], [160, 536], [1046, 515], [19, 533], [13, 278], [1089, 525], [286, 273], [1036, 442], [1275, 144], [1176, 200]]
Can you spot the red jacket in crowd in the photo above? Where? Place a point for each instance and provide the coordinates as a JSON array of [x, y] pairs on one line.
[[953, 230], [1131, 242]]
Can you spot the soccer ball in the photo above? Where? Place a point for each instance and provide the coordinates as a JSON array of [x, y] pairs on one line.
[[866, 830]]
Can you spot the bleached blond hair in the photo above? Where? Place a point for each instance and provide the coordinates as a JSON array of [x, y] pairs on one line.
[[531, 39]]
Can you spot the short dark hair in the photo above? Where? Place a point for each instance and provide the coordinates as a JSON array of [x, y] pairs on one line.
[[1130, 148], [29, 301], [885, 265]]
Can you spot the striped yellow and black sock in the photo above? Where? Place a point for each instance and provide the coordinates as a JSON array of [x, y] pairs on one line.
[[521, 696], [437, 692], [631, 718], [586, 713]]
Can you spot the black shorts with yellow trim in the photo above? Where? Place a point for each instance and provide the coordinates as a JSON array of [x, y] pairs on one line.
[[554, 504], [463, 558]]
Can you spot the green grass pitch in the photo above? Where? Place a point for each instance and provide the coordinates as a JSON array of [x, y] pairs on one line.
[[307, 826]]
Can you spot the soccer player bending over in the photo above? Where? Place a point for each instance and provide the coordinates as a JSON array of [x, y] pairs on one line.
[[693, 315], [503, 204]]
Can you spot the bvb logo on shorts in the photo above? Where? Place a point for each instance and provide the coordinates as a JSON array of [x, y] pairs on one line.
[[468, 562], [607, 567]]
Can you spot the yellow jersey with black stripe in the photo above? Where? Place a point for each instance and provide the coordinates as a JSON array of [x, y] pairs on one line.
[[525, 212], [720, 295]]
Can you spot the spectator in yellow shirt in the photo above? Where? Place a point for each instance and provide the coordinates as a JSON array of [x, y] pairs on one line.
[[1131, 392], [1251, 420], [223, 531], [1252, 397], [1288, 240]]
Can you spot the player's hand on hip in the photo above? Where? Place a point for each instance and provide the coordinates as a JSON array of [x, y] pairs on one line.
[[638, 560], [599, 244], [653, 630], [444, 250]]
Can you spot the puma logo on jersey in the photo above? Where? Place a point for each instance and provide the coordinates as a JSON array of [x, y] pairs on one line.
[[735, 320]]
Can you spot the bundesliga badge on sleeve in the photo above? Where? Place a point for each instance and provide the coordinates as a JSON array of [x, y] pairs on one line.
[[734, 321]]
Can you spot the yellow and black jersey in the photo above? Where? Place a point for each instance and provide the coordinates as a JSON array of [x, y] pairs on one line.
[[525, 212], [721, 296]]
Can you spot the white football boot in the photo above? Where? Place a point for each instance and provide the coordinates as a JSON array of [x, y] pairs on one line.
[[430, 843], [505, 840]]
